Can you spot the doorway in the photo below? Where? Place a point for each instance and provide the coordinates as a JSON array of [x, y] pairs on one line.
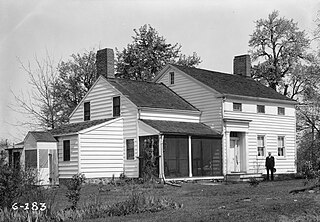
[[234, 155]]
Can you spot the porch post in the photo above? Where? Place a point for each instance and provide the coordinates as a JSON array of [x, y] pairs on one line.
[[190, 158], [161, 158], [246, 149], [226, 158]]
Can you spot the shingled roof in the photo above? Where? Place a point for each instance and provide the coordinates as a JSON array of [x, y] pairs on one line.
[[229, 84], [73, 128], [182, 128], [42, 136], [153, 95]]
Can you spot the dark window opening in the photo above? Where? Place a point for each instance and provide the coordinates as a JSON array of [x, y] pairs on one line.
[[130, 149], [237, 107], [66, 150], [281, 111], [116, 106], [31, 159], [260, 108], [86, 111], [171, 78]]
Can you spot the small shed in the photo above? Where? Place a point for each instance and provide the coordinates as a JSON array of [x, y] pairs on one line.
[[40, 149]]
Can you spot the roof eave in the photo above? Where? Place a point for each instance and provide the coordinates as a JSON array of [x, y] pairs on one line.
[[232, 96], [170, 110]]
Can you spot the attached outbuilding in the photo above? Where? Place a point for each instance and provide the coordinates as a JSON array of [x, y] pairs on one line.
[[40, 153]]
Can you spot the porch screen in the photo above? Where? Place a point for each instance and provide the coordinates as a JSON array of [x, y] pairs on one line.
[[31, 158], [176, 161], [206, 156]]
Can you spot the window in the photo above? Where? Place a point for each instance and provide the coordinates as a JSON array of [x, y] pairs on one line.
[[261, 147], [171, 78], [260, 109], [130, 149], [116, 106], [86, 113], [237, 107], [280, 145], [66, 150], [281, 111]]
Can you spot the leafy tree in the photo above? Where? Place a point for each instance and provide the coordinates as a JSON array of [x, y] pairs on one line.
[[278, 47], [75, 78], [148, 53]]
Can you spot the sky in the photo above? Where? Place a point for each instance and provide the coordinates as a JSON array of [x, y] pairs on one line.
[[217, 30]]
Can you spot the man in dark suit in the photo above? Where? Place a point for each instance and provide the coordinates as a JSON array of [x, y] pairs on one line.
[[270, 165]]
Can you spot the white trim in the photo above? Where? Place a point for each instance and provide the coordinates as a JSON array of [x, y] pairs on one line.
[[190, 156], [79, 154], [99, 125], [260, 99], [177, 111], [148, 126]]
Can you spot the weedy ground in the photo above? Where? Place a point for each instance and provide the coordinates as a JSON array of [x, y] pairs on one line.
[[203, 201]]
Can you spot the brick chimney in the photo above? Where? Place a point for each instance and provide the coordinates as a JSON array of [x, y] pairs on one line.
[[242, 65], [105, 63]]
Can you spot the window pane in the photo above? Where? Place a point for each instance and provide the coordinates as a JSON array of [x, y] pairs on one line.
[[237, 107], [171, 77], [66, 150], [31, 158], [116, 106], [260, 108], [86, 111], [130, 149], [281, 111]]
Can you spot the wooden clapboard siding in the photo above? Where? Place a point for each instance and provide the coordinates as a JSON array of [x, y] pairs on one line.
[[197, 95], [100, 98], [68, 168], [30, 142], [169, 115], [101, 150], [130, 124], [271, 125]]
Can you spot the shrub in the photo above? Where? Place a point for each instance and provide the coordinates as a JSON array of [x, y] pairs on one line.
[[254, 182], [74, 187], [17, 185]]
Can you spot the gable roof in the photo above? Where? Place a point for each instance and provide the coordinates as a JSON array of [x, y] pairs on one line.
[[181, 128], [230, 84], [42, 136], [149, 94], [73, 128]]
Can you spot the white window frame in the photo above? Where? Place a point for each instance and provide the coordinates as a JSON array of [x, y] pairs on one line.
[[284, 111], [283, 147], [237, 110], [127, 148], [264, 145], [171, 78]]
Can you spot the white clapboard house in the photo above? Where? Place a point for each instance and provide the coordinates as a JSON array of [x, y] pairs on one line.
[[194, 123]]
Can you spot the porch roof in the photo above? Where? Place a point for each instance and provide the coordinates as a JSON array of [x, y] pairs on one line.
[[182, 128], [74, 128]]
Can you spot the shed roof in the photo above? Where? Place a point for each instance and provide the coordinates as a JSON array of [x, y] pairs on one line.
[[149, 94], [73, 128], [230, 84], [182, 128], [42, 136]]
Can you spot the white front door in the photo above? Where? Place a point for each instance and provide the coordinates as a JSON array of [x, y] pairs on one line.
[[234, 155]]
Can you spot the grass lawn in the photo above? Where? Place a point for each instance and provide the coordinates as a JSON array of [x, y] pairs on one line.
[[269, 201]]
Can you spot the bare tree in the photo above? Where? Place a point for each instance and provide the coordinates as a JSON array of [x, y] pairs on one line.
[[38, 105]]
